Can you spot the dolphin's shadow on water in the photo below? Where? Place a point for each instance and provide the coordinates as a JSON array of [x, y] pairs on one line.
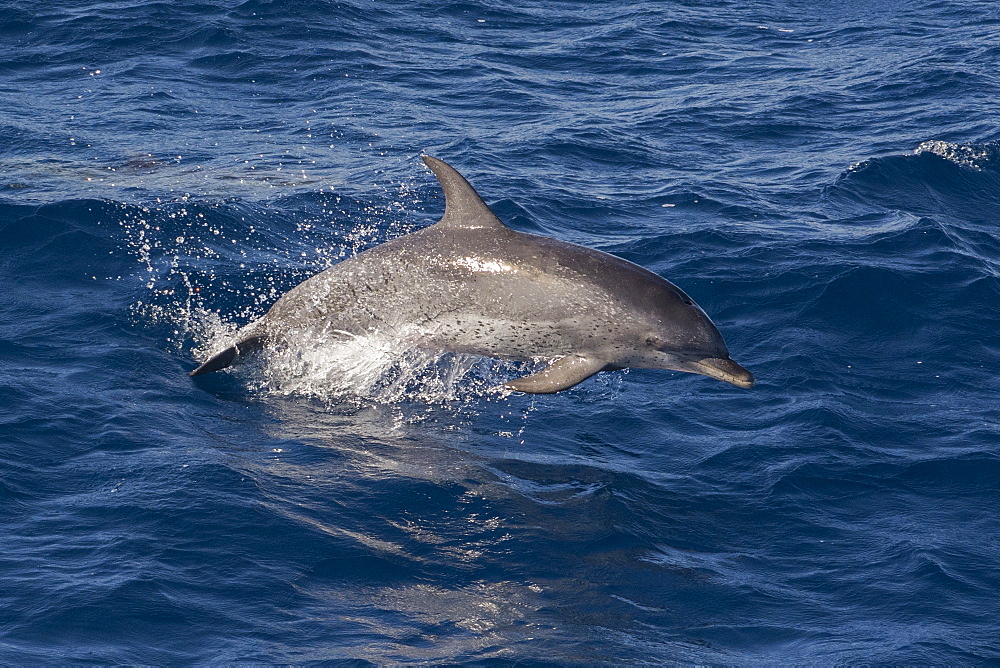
[[397, 502], [476, 540]]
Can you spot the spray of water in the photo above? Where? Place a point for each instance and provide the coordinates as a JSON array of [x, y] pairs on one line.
[[208, 267]]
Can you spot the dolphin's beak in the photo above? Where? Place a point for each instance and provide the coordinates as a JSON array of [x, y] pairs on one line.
[[724, 369]]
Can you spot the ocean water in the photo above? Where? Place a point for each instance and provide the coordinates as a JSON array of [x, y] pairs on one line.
[[823, 180]]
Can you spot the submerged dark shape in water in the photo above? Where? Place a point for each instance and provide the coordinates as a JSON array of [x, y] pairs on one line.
[[470, 284]]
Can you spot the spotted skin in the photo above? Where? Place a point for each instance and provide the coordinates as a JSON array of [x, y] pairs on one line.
[[470, 284]]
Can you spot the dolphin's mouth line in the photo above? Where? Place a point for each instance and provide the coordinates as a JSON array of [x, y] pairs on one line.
[[725, 370]]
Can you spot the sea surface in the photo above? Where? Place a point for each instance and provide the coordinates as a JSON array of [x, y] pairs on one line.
[[822, 178]]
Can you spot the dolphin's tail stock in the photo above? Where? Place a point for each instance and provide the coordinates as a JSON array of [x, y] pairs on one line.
[[230, 355]]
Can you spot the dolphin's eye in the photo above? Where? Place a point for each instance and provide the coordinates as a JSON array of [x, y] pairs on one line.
[[654, 342]]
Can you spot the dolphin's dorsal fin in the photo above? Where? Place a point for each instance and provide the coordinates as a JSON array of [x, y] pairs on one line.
[[463, 207]]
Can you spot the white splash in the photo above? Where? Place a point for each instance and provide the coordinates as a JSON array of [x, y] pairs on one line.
[[966, 155], [337, 366]]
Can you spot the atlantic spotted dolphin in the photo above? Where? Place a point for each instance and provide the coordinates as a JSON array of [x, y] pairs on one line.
[[470, 284]]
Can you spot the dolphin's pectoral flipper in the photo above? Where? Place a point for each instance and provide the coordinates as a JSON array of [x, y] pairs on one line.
[[564, 373], [229, 355]]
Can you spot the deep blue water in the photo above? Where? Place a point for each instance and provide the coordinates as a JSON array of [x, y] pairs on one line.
[[824, 181]]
